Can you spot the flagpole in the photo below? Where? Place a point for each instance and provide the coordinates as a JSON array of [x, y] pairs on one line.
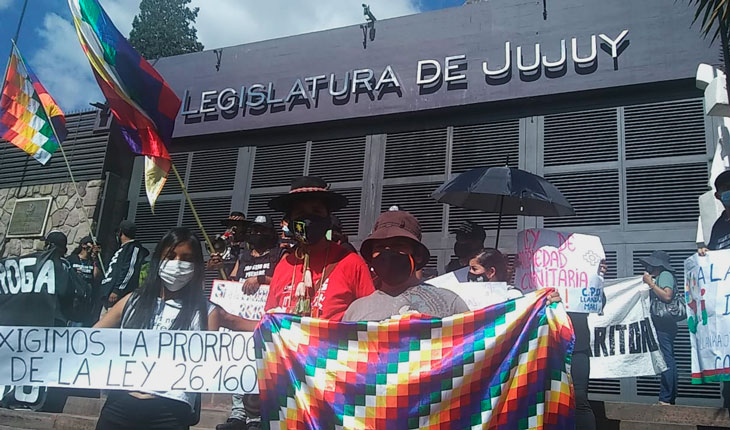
[[68, 166], [20, 20], [195, 214]]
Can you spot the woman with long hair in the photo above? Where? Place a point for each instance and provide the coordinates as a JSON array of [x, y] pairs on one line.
[[171, 298]]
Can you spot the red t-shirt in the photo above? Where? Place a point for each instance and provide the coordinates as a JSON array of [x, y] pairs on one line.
[[348, 281]]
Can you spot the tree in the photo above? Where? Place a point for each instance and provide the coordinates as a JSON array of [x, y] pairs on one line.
[[164, 28], [716, 13]]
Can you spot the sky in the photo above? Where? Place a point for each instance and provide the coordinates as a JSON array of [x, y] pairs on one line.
[[48, 41]]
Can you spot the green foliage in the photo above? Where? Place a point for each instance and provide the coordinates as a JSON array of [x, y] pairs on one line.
[[714, 13], [164, 28]]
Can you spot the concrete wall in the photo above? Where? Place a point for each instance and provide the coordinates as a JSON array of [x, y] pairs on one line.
[[66, 214]]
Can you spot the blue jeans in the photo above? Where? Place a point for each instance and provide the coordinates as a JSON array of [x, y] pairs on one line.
[[668, 387]]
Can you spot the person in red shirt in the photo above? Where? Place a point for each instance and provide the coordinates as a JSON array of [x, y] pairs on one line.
[[318, 277]]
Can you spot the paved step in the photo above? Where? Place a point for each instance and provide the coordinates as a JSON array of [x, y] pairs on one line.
[[635, 416]]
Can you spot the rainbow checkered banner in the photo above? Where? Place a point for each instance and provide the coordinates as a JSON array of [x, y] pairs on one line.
[[502, 367], [25, 107]]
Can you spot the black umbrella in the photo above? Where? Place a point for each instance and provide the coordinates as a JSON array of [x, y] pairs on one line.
[[506, 191]]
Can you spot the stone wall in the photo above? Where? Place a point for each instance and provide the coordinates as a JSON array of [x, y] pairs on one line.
[[66, 214]]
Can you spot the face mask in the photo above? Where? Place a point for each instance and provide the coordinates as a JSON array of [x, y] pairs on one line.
[[463, 250], [725, 199], [392, 267], [312, 229], [472, 277], [175, 274], [287, 232], [259, 241]]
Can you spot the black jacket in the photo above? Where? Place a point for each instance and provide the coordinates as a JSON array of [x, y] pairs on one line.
[[122, 275]]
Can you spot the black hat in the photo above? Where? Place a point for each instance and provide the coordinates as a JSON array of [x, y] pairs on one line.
[[470, 229], [657, 259], [306, 188], [722, 180], [234, 218], [128, 228], [392, 224], [57, 239], [86, 239], [262, 221]]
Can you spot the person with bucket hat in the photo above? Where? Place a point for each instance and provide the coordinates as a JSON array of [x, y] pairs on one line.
[[659, 276], [228, 244], [396, 254], [318, 278]]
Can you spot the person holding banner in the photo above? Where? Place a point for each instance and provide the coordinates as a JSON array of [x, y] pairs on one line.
[[395, 252], [318, 278], [171, 298], [85, 260], [660, 278]]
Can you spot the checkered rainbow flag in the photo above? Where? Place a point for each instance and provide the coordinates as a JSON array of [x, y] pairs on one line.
[[503, 367], [27, 112]]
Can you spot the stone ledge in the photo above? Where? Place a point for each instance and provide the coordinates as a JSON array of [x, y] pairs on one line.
[[683, 416]]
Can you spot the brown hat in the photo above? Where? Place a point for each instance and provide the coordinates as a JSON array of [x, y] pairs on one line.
[[396, 224], [308, 187]]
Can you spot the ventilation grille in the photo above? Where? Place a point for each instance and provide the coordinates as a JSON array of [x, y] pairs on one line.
[[85, 150], [665, 129], [604, 386], [585, 137], [277, 165], [594, 196], [415, 153], [416, 199], [258, 204], [665, 193], [172, 186], [213, 170], [488, 221], [492, 144], [338, 160], [612, 263], [350, 216], [211, 212], [151, 227]]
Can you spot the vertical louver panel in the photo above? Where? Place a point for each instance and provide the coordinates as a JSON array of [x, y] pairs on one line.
[[490, 144], [604, 386], [350, 215], [338, 160], [415, 153], [665, 129], [488, 221], [84, 148], [278, 164], [172, 186], [612, 263], [416, 199], [258, 204], [213, 170], [593, 195], [151, 227], [665, 193], [581, 137], [211, 212]]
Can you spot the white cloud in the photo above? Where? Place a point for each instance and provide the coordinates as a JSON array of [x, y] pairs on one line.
[[64, 70], [4, 4]]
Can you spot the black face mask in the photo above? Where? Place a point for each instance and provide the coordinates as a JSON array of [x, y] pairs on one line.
[[471, 277], [392, 267], [261, 241], [463, 250], [310, 229]]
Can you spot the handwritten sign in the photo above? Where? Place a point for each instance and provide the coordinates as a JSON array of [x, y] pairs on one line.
[[568, 262], [707, 294], [127, 359], [229, 296]]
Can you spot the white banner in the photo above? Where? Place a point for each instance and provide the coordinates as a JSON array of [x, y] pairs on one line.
[[476, 295], [623, 340], [707, 293], [566, 262], [229, 296], [128, 359]]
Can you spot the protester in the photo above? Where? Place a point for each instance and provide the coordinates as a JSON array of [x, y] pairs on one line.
[[122, 275], [660, 277], [254, 268], [470, 238], [170, 299], [228, 244], [395, 252], [318, 277], [720, 239], [85, 260]]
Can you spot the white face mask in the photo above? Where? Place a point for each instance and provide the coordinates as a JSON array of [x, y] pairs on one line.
[[175, 274]]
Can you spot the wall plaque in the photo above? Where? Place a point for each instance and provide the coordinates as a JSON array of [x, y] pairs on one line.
[[29, 217]]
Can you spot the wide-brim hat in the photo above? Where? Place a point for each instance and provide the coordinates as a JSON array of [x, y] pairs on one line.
[[308, 188], [393, 224], [657, 259], [234, 218]]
